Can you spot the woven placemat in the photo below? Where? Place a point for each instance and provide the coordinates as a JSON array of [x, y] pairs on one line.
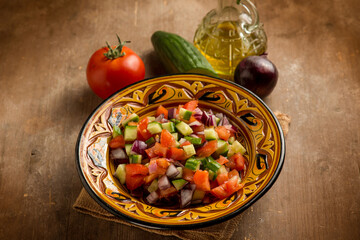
[[222, 231]]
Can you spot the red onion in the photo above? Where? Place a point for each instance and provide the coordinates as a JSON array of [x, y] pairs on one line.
[[231, 128], [172, 171], [193, 135], [152, 167], [197, 114], [185, 197], [118, 153], [177, 163], [182, 140], [164, 183], [152, 197], [195, 124], [172, 113], [139, 147], [159, 118]]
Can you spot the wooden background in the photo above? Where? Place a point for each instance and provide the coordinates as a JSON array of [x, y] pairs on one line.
[[45, 99]]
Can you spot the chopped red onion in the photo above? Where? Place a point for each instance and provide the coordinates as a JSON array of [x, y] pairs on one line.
[[152, 167], [185, 197], [197, 114], [231, 128], [200, 133], [152, 197], [182, 140], [194, 135], [139, 147], [177, 163], [172, 113], [159, 118], [164, 183], [118, 153], [195, 124], [172, 171], [205, 118]]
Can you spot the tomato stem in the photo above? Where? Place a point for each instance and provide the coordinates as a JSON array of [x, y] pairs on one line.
[[117, 51]]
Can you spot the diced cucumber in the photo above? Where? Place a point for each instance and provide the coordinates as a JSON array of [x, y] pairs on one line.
[[185, 114], [184, 128], [153, 186], [210, 164], [231, 139], [217, 120], [120, 173], [150, 141], [176, 135], [132, 118], [212, 175], [189, 150], [130, 133], [154, 127], [210, 134], [198, 195], [192, 164], [222, 170], [236, 147], [128, 149], [151, 119], [135, 158], [179, 183], [170, 126], [194, 140], [180, 169], [116, 131], [222, 147]]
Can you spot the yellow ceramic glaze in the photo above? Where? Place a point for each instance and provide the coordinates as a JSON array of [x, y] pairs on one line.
[[262, 137]]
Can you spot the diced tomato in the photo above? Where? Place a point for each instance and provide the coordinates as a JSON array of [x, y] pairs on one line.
[[223, 132], [208, 149], [163, 163], [150, 152], [160, 150], [222, 160], [136, 169], [188, 174], [191, 105], [117, 142], [166, 139], [239, 161], [230, 164], [233, 185], [202, 136], [213, 184], [227, 188], [142, 129], [161, 110], [168, 192], [206, 199], [135, 174], [233, 173], [133, 182], [221, 178], [185, 143], [176, 154], [219, 192], [149, 178], [201, 179], [198, 128]]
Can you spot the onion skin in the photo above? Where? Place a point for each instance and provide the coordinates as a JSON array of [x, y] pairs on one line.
[[258, 74]]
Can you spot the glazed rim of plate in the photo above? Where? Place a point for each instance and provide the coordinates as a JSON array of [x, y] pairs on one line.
[[264, 167]]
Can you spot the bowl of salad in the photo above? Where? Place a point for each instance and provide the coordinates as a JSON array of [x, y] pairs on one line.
[[180, 151]]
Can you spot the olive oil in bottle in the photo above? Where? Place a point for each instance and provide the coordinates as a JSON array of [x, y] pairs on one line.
[[229, 34]]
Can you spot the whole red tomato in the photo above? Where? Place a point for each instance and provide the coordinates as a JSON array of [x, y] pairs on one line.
[[109, 70]]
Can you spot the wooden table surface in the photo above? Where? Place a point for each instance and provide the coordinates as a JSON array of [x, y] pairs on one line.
[[45, 99]]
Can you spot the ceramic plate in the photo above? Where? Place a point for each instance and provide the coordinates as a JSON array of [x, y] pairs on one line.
[[262, 137]]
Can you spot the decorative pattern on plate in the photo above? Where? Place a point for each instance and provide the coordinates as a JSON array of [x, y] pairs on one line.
[[262, 137]]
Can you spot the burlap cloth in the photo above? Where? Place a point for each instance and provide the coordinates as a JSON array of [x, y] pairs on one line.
[[85, 204]]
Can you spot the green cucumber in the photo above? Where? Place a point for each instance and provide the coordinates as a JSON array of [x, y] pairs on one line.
[[192, 164], [132, 118], [130, 133], [170, 126], [185, 114], [135, 158], [120, 173], [189, 150], [194, 140], [128, 149], [154, 127], [184, 128], [180, 169], [153, 186], [116, 131], [176, 136], [210, 134], [179, 55], [198, 195], [150, 141], [222, 147], [179, 183], [236, 147]]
